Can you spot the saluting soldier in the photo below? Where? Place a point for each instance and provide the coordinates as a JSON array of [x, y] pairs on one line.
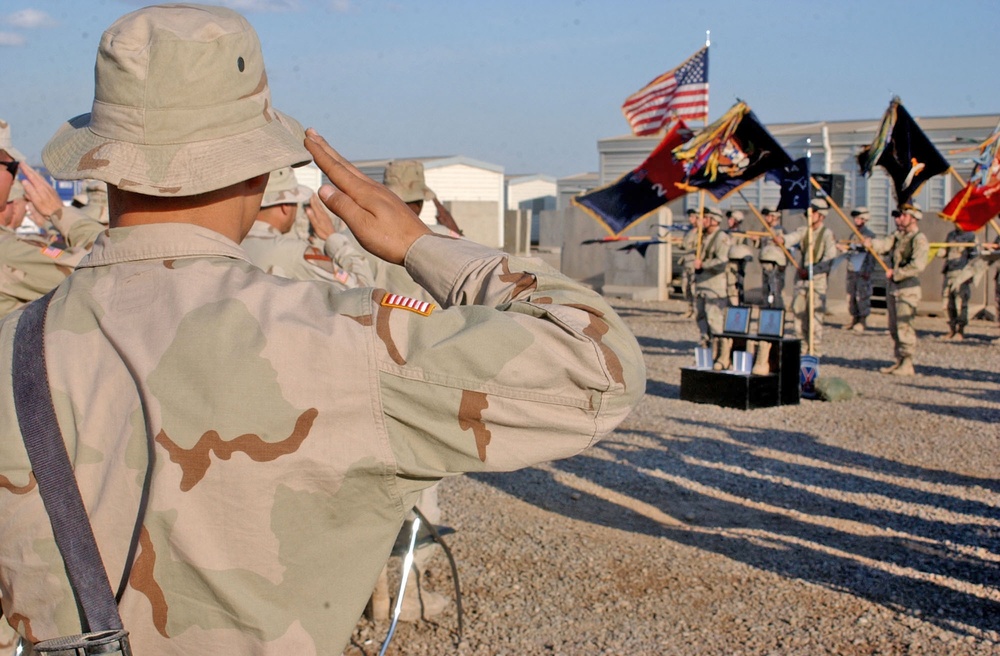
[[860, 266], [910, 249], [711, 289], [273, 248], [816, 245]]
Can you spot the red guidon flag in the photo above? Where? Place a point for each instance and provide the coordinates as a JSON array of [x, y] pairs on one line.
[[682, 92]]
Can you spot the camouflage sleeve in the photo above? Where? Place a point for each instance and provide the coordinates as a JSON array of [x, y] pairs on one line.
[[717, 259], [883, 245], [522, 366], [29, 269], [794, 238], [78, 228], [349, 259], [918, 261]]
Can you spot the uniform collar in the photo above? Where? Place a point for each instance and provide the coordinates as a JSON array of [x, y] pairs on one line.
[[161, 241]]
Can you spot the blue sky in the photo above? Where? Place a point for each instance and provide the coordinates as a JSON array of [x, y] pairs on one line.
[[532, 85]]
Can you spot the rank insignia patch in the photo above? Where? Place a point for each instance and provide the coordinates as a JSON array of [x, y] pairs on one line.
[[406, 303]]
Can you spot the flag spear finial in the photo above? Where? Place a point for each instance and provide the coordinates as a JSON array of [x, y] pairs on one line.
[[708, 38]]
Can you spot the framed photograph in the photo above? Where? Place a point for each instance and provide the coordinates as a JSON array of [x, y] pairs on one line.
[[737, 320], [771, 322]]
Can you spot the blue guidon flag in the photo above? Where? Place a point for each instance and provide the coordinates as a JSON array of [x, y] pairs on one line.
[[655, 182]]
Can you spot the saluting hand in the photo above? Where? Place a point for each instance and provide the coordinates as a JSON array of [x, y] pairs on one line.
[[42, 196], [382, 223], [318, 218]]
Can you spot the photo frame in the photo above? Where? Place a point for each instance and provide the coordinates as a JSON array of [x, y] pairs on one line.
[[737, 320], [771, 322]]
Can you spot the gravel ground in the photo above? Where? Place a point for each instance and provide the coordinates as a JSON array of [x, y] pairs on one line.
[[863, 527]]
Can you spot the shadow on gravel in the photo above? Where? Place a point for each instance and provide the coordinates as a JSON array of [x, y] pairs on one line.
[[662, 389], [834, 521], [986, 415], [657, 346]]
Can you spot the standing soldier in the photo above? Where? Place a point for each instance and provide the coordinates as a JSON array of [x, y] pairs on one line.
[[958, 273], [772, 261], [710, 287], [740, 251], [860, 265], [689, 244], [818, 246], [909, 249]]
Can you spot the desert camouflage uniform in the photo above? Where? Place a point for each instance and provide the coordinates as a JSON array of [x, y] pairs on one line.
[[31, 266], [689, 244], [711, 285], [772, 274], [736, 271], [958, 274], [285, 255], [860, 266], [909, 253], [297, 422], [824, 253]]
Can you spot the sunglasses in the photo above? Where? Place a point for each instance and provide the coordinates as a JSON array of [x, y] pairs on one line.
[[11, 168]]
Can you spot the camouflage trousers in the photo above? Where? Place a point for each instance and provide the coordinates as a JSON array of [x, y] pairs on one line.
[[902, 305], [800, 312], [958, 304], [773, 282], [687, 287], [859, 294], [709, 314]]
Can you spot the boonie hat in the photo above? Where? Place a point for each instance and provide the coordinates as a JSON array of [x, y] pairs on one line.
[[284, 189], [5, 142], [860, 211], [181, 107], [405, 178]]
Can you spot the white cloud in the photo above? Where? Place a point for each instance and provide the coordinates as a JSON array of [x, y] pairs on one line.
[[11, 39], [341, 6], [29, 19]]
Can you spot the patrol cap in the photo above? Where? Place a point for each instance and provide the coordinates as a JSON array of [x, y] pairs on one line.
[[913, 209], [405, 178], [691, 211], [820, 204], [181, 107], [283, 189], [860, 211], [712, 212], [767, 210], [5, 142], [735, 215]]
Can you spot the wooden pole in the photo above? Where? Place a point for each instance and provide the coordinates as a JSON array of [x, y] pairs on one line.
[[850, 224], [770, 231]]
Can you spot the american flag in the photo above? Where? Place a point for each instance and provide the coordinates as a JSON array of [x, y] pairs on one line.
[[682, 91]]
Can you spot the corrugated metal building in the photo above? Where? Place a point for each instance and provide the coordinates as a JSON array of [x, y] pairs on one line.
[[531, 193], [473, 191]]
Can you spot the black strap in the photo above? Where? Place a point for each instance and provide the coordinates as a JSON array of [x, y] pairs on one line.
[[56, 482]]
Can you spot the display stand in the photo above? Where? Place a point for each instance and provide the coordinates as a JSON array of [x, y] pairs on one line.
[[748, 391]]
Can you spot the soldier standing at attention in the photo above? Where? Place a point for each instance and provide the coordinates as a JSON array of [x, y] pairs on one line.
[[736, 269], [816, 244], [860, 265], [909, 249], [689, 244], [958, 273], [251, 444], [710, 287]]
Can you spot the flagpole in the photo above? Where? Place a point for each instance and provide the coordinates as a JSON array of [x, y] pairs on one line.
[[770, 230], [850, 224]]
